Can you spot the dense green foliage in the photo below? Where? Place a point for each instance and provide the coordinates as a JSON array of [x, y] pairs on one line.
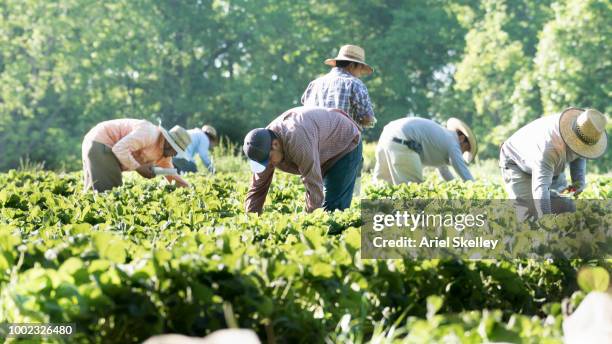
[[66, 65], [148, 258]]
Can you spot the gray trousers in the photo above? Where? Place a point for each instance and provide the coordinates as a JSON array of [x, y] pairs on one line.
[[518, 188], [101, 169]]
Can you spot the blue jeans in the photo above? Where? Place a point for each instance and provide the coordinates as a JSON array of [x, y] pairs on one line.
[[339, 180], [184, 165]]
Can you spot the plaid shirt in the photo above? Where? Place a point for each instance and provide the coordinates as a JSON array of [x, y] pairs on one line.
[[313, 140], [340, 90]]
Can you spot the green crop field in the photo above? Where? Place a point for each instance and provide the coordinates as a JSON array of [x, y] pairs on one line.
[[149, 258]]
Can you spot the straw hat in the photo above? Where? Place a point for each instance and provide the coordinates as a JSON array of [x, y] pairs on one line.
[[455, 124], [350, 53], [584, 131], [177, 137], [210, 131]]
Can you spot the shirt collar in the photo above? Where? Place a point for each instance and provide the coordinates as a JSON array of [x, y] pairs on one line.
[[570, 155], [341, 71]]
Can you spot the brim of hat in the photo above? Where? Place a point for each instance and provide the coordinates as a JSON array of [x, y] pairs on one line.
[[258, 167], [210, 133], [175, 146], [332, 62], [457, 124], [571, 139]]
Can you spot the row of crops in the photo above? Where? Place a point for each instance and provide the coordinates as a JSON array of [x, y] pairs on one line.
[[149, 258]]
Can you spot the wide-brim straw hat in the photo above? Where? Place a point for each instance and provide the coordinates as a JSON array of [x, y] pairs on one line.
[[352, 53], [455, 124], [584, 132], [177, 137]]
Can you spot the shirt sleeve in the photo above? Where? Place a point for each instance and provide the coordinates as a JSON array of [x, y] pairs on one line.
[[541, 180], [360, 100], [445, 173], [306, 93], [307, 159], [165, 162], [460, 166], [258, 190], [578, 172], [203, 153], [141, 137]]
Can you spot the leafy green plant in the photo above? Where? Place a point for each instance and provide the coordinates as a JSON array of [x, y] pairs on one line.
[[149, 258]]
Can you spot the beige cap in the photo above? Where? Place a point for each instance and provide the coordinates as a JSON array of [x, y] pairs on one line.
[[211, 131]]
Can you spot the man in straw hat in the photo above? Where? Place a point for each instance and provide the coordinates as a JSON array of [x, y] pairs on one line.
[[322, 145], [118, 145], [408, 144], [202, 140], [342, 89], [534, 158]]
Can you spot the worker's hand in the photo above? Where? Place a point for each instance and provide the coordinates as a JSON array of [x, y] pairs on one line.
[[575, 189], [367, 121], [146, 171], [181, 182]]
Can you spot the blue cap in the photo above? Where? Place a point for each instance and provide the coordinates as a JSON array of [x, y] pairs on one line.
[[257, 147]]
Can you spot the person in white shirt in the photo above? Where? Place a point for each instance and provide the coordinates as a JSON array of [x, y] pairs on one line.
[[202, 141], [534, 158], [408, 144]]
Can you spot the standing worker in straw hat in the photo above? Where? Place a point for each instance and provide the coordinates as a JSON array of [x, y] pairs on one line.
[[408, 144], [533, 160], [342, 89], [119, 145], [202, 140]]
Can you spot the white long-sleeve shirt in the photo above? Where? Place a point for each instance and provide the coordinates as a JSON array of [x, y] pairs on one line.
[[538, 149], [440, 145]]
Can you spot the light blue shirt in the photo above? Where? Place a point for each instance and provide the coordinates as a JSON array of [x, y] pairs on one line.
[[200, 145]]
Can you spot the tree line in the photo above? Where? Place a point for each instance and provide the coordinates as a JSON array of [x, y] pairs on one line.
[[236, 64]]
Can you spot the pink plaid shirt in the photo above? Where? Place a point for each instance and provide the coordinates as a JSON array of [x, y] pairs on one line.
[[313, 139]]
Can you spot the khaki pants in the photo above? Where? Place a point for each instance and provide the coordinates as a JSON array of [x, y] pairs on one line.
[[101, 169], [396, 163], [518, 187]]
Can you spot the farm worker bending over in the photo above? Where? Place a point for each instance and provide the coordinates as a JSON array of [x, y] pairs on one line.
[[533, 160], [407, 144], [342, 89], [322, 145], [127, 145], [202, 140]]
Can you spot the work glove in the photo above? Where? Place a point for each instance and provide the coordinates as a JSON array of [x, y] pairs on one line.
[[146, 171]]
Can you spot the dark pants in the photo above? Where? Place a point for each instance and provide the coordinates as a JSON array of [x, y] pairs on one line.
[[101, 169], [339, 180], [184, 165]]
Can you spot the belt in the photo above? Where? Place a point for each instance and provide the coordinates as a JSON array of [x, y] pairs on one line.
[[412, 144]]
